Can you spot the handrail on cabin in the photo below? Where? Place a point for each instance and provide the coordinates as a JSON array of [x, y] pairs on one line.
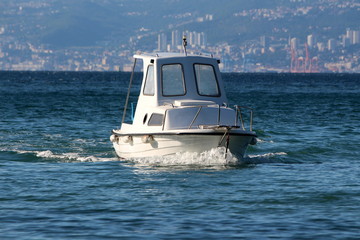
[[196, 115]]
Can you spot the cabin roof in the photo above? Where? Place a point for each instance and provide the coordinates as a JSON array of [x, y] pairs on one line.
[[163, 55]]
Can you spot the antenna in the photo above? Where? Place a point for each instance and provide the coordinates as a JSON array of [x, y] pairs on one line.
[[185, 44]]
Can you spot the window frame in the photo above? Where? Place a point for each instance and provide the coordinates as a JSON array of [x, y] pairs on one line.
[[216, 79], [146, 80], [155, 116], [183, 80]]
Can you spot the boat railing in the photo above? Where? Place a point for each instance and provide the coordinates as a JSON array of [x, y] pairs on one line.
[[239, 115], [128, 93], [239, 118]]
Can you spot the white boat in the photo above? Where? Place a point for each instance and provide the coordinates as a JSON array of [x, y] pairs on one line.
[[182, 107]]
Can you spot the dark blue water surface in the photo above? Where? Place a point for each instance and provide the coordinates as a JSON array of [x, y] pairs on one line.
[[60, 178]]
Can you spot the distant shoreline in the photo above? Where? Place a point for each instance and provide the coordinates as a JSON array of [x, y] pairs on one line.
[[242, 73]]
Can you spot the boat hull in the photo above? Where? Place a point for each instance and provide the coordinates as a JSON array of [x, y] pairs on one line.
[[137, 146]]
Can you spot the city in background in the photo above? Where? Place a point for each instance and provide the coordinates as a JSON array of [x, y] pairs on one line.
[[29, 36], [300, 57]]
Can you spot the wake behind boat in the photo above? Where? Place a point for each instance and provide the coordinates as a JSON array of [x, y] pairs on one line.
[[182, 107]]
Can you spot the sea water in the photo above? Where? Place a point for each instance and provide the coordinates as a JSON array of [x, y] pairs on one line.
[[60, 177]]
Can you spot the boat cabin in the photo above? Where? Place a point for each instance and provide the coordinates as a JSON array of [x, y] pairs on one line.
[[178, 87], [171, 78]]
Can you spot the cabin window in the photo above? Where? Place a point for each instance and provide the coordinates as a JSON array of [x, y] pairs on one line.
[[173, 80], [206, 81], [149, 88], [156, 119]]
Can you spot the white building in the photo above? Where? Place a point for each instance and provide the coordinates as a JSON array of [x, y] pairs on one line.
[[175, 39], [331, 45], [346, 41], [294, 43], [356, 37], [162, 42], [311, 41], [353, 36]]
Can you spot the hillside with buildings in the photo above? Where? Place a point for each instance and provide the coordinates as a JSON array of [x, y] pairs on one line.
[[248, 36]]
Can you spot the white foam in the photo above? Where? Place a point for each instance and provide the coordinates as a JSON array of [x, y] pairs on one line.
[[67, 157], [268, 155], [44, 154], [52, 136], [264, 158], [213, 157], [263, 141]]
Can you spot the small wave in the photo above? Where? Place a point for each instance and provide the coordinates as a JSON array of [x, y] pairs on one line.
[[71, 157], [264, 158], [52, 136], [268, 155], [66, 157], [259, 140]]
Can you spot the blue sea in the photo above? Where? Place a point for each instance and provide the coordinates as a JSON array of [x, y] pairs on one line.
[[60, 177]]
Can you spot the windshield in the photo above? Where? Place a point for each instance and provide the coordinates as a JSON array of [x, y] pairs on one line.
[[173, 80], [206, 80]]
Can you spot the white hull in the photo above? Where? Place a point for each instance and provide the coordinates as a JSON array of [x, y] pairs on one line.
[[161, 145]]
